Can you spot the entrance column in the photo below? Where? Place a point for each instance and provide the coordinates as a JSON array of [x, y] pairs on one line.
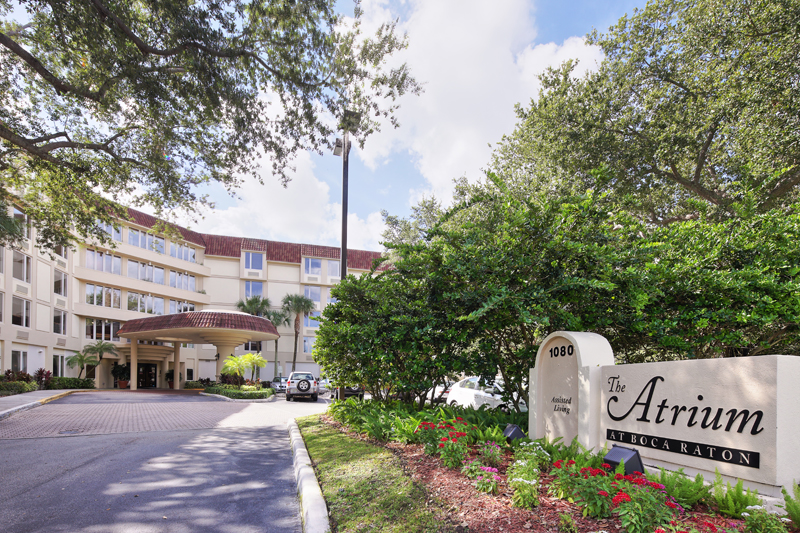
[[177, 366], [134, 364], [224, 350], [162, 373]]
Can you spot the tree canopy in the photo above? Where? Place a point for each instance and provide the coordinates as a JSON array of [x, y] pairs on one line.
[[103, 101], [695, 107]]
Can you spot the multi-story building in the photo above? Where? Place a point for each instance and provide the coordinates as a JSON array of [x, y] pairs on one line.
[[52, 307]]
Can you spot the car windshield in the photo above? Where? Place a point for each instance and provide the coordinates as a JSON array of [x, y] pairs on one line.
[[302, 376]]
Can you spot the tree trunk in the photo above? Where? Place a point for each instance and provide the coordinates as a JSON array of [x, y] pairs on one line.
[[296, 335], [80, 372], [275, 374]]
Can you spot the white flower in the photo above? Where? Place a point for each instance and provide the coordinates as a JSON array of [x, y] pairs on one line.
[[745, 514], [755, 507], [784, 519]]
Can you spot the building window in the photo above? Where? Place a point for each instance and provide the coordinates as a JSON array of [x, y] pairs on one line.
[[311, 319], [104, 262], [2, 259], [103, 296], [308, 344], [313, 266], [20, 312], [144, 303], [2, 304], [62, 251], [19, 361], [179, 251], [190, 374], [253, 261], [24, 220], [60, 283], [60, 322], [187, 345], [58, 366], [105, 330], [180, 307], [252, 346], [145, 272], [146, 241], [253, 288], [22, 267], [313, 293], [332, 300], [333, 269], [180, 280], [114, 232]]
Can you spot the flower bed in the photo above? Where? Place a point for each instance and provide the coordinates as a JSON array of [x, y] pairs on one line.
[[540, 486]]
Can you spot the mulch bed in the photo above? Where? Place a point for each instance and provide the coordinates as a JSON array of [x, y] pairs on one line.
[[474, 511]]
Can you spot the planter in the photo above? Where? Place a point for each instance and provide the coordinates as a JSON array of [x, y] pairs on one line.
[[171, 383], [122, 384]]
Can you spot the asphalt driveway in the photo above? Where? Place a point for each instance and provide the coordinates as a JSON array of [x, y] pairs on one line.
[[149, 462]]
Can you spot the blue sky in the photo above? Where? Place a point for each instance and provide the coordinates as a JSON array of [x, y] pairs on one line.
[[477, 59]]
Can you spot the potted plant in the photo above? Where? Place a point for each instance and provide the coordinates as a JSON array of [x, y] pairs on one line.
[[122, 373], [170, 376]]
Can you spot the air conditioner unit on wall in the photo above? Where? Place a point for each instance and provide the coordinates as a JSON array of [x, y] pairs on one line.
[[61, 342], [254, 274], [62, 264], [60, 302], [312, 278], [22, 335], [21, 289]]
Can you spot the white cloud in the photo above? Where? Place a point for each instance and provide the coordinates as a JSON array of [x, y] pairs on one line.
[[302, 212], [477, 60]]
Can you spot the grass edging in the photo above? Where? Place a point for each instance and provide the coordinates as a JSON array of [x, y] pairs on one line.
[[364, 485]]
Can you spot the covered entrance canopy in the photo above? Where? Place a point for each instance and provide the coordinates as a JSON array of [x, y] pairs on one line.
[[224, 329]]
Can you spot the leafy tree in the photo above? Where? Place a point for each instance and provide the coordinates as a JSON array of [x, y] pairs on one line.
[[100, 348], [278, 317], [693, 109], [81, 360], [297, 305], [149, 100], [412, 230]]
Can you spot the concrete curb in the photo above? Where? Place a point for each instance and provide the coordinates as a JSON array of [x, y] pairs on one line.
[[263, 400], [37, 403], [313, 510]]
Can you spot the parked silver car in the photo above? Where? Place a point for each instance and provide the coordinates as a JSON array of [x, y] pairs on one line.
[[279, 383], [302, 385]]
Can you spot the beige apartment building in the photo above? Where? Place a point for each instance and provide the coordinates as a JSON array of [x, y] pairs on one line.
[[51, 308]]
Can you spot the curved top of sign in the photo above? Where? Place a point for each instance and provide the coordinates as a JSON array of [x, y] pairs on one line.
[[591, 349]]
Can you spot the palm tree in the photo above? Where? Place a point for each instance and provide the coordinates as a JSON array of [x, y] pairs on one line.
[[236, 365], [278, 317], [81, 360], [254, 361], [297, 304], [255, 305], [100, 348]]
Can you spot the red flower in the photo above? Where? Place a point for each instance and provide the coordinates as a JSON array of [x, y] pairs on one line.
[[602, 493], [444, 439], [441, 445], [621, 497], [558, 463], [606, 465], [619, 477], [570, 462], [459, 418], [659, 530], [671, 505]]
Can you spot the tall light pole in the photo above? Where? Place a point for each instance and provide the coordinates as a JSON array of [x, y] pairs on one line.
[[349, 124]]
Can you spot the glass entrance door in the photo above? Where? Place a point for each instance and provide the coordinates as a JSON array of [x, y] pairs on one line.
[[147, 376]]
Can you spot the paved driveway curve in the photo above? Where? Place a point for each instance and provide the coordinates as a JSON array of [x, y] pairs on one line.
[[125, 462]]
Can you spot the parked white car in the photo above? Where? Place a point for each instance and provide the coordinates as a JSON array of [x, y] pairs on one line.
[[469, 393]]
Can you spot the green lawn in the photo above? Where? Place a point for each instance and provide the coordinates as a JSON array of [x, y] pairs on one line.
[[364, 485]]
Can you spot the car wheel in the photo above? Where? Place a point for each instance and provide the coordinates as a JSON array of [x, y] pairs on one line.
[[288, 397], [453, 403], [314, 398]]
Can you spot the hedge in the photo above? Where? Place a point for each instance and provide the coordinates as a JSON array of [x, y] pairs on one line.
[[241, 394], [193, 385], [70, 383], [18, 387]]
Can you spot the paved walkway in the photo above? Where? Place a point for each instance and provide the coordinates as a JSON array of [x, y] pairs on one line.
[[125, 462]]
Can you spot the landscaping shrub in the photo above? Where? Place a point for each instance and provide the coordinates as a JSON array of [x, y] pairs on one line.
[[18, 376], [793, 504], [687, 492], [42, 378], [758, 520], [70, 383], [523, 474], [490, 453], [733, 501], [241, 394], [193, 385], [18, 387]]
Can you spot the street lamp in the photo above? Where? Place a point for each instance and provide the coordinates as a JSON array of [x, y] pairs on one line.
[[349, 125]]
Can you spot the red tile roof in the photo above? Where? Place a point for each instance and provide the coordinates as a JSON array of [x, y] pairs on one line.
[[199, 319], [286, 252]]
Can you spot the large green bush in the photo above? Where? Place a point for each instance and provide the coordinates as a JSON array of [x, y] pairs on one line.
[[70, 383], [241, 394], [18, 387]]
